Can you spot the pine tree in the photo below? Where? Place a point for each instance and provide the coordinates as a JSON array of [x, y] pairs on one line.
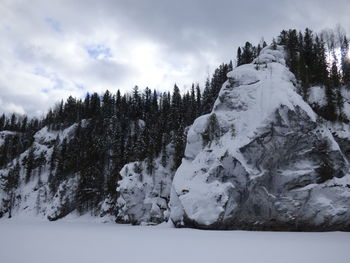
[[345, 62], [107, 105], [24, 124], [164, 155], [336, 99], [320, 62], [10, 183], [70, 111], [290, 41], [179, 142], [95, 105], [29, 162], [239, 56], [13, 122], [325, 170], [206, 98], [212, 132], [40, 162], [198, 101], [248, 54], [176, 108], [192, 105], [330, 110], [2, 122]]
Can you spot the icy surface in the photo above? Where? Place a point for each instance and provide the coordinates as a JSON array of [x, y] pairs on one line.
[[79, 242]]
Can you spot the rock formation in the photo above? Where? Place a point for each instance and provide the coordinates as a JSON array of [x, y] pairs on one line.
[[262, 159]]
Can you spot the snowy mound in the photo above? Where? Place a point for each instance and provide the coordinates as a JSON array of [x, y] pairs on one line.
[[261, 160]]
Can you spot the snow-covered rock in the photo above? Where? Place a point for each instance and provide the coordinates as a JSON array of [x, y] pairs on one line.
[[145, 194], [261, 159], [33, 197], [317, 96]]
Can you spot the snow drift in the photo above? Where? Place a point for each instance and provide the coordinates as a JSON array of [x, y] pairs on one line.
[[262, 159]]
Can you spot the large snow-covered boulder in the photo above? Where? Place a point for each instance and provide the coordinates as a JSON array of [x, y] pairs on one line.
[[143, 193], [262, 159]]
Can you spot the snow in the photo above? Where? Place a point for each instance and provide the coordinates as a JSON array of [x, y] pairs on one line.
[[342, 130], [345, 91], [143, 195], [261, 90], [36, 242], [246, 102], [35, 199], [47, 136], [269, 55], [317, 96]]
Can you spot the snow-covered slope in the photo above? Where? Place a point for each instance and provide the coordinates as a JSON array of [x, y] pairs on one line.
[[33, 196], [261, 159]]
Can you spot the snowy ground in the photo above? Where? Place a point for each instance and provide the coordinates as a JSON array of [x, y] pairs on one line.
[[63, 242]]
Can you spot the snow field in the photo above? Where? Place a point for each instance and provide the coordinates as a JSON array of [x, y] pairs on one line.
[[64, 242]]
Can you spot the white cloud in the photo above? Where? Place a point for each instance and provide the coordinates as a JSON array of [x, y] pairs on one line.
[[52, 49]]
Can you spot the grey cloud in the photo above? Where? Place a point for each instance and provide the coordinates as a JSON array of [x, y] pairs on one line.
[[114, 44]]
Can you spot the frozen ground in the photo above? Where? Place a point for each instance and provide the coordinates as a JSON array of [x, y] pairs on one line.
[[65, 242]]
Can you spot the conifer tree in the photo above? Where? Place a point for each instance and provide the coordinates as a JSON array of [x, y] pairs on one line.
[[179, 145], [198, 101], [212, 132], [336, 99], [239, 56], [248, 54], [206, 98], [29, 162], [10, 183], [345, 62]]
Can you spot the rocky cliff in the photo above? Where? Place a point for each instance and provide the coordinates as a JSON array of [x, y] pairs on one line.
[[32, 195], [262, 159]]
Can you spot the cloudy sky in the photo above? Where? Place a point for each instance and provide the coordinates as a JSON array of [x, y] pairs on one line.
[[52, 49]]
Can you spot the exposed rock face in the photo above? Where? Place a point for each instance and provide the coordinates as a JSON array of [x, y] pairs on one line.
[[261, 159], [144, 195], [33, 196]]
